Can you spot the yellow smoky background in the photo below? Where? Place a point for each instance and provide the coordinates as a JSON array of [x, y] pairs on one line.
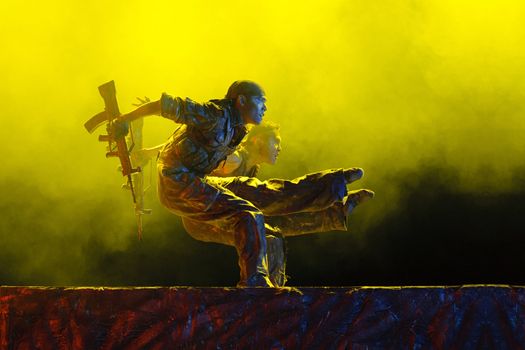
[[390, 86]]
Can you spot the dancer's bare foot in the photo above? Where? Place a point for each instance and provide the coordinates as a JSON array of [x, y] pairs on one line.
[[257, 280], [355, 198]]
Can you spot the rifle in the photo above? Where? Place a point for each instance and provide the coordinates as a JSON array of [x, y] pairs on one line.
[[118, 147]]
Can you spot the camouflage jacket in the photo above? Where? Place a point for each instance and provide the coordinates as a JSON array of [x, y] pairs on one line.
[[208, 134]]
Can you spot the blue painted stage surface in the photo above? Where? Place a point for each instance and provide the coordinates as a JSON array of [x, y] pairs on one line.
[[459, 317]]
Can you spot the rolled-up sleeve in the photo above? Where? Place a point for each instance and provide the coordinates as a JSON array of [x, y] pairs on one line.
[[186, 111]]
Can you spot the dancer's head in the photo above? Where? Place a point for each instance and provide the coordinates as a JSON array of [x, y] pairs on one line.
[[249, 100]]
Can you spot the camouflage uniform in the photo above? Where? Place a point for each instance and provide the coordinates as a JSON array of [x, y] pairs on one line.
[[330, 219], [237, 205]]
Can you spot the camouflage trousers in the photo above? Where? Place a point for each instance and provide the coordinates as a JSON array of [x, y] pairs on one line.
[[254, 215]]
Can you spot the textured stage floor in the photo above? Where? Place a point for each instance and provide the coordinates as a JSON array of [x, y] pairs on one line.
[[460, 317]]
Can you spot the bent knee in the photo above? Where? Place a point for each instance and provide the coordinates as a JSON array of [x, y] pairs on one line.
[[249, 230], [254, 217]]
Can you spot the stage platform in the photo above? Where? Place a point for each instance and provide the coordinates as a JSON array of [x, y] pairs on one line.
[[451, 317]]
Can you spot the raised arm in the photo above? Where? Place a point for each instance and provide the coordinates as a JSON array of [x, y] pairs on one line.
[[183, 111], [189, 112], [150, 108]]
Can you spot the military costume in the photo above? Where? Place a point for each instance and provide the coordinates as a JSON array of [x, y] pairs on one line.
[[237, 207], [330, 219]]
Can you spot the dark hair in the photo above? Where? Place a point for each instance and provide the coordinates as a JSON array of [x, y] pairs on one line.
[[244, 87], [263, 130]]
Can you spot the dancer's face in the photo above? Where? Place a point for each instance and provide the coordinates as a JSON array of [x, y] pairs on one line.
[[252, 108]]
